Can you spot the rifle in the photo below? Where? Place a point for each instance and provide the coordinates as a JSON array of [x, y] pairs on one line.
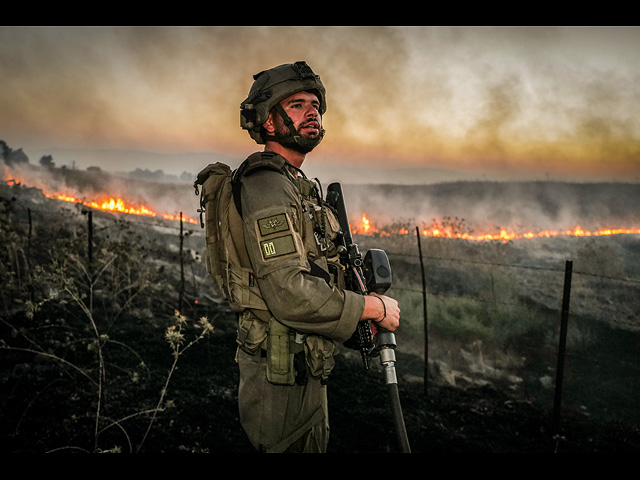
[[364, 276], [371, 274]]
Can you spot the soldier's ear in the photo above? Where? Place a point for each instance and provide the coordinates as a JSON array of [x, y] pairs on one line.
[[268, 125]]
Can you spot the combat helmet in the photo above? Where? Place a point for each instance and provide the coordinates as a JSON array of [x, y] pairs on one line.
[[272, 86]]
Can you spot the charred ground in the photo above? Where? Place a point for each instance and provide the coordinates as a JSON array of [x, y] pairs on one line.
[[49, 398], [203, 414]]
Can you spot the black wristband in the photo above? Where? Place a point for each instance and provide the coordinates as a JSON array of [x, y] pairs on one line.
[[384, 307]]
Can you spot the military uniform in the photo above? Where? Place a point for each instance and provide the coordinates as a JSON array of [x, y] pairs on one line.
[[286, 354], [270, 250]]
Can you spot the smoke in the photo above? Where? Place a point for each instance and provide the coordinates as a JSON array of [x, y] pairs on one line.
[[98, 186], [477, 207], [485, 207], [550, 100]]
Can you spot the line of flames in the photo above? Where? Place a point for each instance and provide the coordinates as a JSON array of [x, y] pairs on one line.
[[366, 227], [109, 204]]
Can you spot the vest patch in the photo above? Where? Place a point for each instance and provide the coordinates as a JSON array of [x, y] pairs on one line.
[[273, 224], [277, 247]]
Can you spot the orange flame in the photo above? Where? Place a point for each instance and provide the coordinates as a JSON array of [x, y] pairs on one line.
[[8, 178], [365, 224], [107, 204], [366, 227]]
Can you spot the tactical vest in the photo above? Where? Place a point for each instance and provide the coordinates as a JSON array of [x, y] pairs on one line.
[[227, 262]]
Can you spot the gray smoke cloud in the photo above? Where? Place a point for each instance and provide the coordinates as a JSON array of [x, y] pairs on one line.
[[484, 99]]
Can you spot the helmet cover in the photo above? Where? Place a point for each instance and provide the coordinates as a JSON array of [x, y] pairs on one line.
[[272, 86]]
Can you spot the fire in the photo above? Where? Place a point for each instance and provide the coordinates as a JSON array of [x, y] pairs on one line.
[[109, 204], [366, 227], [8, 178]]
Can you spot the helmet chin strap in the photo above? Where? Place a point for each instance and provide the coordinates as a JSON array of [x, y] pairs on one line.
[[294, 141]]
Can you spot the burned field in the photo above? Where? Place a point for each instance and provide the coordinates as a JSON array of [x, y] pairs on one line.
[[89, 302]]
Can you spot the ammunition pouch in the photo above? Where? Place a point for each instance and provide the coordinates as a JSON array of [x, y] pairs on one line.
[[291, 356], [252, 330], [280, 358], [319, 353]]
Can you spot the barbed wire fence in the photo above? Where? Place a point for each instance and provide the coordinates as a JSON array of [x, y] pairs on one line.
[[553, 331]]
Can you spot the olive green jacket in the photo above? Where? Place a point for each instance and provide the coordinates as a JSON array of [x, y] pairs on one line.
[[286, 232]]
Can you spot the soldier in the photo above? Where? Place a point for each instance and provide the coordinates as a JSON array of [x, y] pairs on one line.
[[286, 350]]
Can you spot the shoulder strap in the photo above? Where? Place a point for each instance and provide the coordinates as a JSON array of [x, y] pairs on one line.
[[255, 162]]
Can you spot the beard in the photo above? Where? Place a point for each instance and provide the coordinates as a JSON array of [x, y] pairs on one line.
[[281, 130], [284, 136]]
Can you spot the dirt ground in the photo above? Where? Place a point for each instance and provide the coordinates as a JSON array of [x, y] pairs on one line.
[[444, 420], [203, 416]]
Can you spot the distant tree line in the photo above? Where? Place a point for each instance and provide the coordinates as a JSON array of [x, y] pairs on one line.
[[160, 176], [13, 157]]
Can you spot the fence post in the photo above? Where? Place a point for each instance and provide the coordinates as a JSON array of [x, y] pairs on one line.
[[29, 234], [181, 293], [424, 313], [30, 276], [564, 321], [90, 239]]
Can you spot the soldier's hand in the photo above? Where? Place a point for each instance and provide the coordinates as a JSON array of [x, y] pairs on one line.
[[388, 313]]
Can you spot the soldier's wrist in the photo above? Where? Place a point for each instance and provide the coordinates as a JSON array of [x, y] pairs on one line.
[[384, 311]]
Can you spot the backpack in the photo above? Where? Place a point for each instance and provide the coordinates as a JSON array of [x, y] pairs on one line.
[[226, 256]]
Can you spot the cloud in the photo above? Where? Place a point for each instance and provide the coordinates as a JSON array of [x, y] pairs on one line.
[[536, 98]]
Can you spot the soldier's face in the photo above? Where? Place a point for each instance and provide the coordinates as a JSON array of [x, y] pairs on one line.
[[303, 109]]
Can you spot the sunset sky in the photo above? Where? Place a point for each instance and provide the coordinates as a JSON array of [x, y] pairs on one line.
[[541, 102]]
